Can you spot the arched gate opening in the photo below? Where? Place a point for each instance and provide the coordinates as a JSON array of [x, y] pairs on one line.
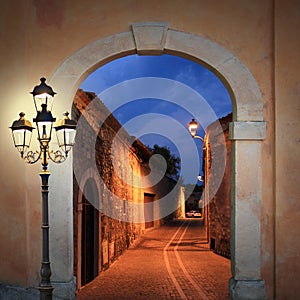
[[247, 131]]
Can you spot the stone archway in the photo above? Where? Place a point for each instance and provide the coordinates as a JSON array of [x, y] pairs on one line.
[[247, 131]]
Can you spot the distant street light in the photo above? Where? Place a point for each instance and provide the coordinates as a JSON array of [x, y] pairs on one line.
[[200, 178], [43, 97]]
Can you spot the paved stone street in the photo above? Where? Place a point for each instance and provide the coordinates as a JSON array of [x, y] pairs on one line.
[[170, 262]]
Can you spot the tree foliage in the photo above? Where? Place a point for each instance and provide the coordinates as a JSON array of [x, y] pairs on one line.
[[173, 162], [192, 188]]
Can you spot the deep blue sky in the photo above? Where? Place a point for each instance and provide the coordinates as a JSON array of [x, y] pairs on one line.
[[125, 70]]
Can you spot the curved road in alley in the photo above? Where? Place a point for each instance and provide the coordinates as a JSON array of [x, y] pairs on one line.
[[170, 262]]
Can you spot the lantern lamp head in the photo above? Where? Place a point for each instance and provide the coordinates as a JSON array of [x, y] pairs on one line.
[[193, 126], [21, 133], [43, 95], [44, 121], [65, 132]]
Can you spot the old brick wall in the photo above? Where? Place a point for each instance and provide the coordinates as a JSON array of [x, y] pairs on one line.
[[115, 236], [219, 204]]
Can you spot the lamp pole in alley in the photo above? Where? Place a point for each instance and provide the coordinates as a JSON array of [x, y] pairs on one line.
[[43, 96], [193, 127]]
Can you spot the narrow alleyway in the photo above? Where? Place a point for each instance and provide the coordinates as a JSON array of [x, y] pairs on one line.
[[170, 262]]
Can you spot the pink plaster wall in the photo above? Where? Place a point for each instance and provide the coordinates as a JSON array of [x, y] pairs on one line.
[[287, 159]]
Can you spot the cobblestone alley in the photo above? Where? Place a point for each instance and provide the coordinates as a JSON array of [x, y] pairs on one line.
[[170, 262]]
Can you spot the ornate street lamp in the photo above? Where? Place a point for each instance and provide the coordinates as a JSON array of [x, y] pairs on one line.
[[43, 97]]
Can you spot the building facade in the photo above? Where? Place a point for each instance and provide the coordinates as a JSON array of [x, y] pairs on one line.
[[253, 46]]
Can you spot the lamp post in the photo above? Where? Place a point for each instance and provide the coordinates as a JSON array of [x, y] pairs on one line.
[[193, 127], [43, 97]]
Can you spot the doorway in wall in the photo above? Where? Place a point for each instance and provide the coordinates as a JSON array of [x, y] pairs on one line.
[[89, 240], [149, 211]]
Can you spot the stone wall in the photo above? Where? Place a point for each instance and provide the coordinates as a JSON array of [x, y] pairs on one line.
[[218, 208], [115, 235]]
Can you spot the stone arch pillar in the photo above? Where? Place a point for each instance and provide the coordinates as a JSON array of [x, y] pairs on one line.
[[247, 131]]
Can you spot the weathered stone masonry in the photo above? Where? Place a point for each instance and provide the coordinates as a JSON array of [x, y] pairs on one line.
[[219, 204], [114, 236]]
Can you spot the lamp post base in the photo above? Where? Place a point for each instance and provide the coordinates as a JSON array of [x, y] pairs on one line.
[[46, 292]]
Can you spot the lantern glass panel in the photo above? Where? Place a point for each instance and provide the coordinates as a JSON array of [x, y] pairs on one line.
[[22, 139], [41, 99], [44, 130], [193, 126], [193, 129], [65, 138]]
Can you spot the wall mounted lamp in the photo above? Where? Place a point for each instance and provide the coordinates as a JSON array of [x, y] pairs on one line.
[[193, 127]]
